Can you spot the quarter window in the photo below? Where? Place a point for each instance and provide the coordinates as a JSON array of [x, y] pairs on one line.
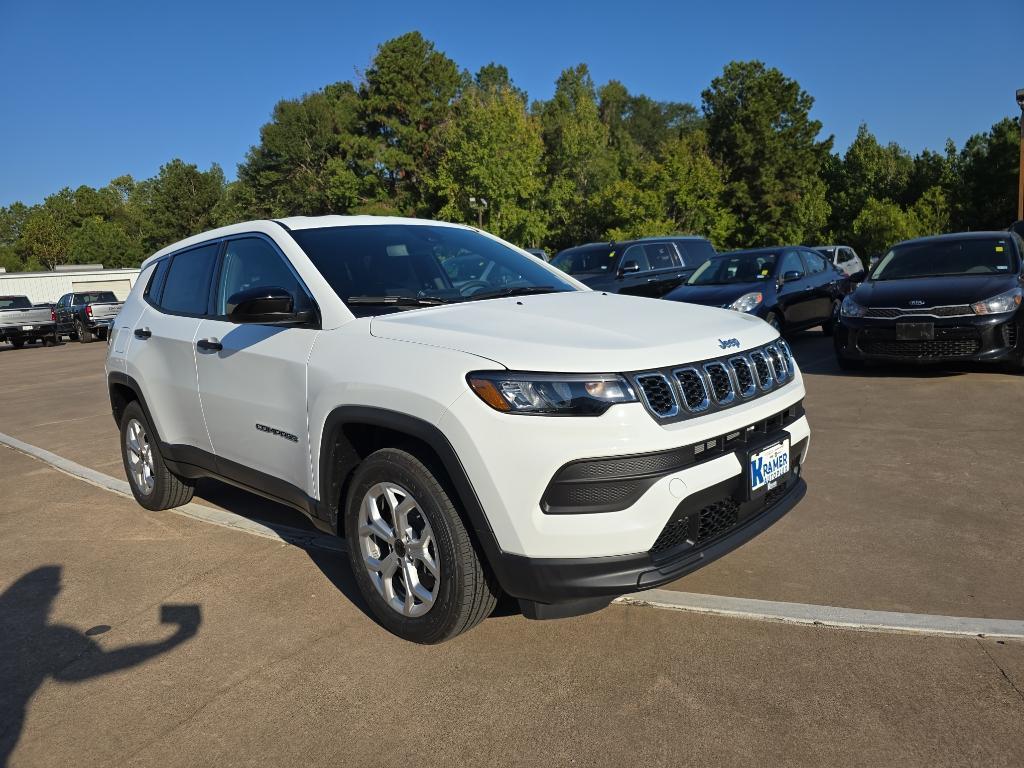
[[252, 262], [156, 282], [187, 285]]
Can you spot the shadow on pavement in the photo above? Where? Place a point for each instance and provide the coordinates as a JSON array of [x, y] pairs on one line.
[[814, 354], [32, 649]]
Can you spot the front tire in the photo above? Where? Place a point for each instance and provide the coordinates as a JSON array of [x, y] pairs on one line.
[[154, 486], [410, 552]]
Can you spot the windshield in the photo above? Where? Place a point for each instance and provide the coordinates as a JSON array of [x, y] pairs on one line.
[[695, 252], [587, 260], [735, 268], [941, 258], [15, 302], [420, 264]]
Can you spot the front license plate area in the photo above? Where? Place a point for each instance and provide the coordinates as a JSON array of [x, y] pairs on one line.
[[767, 467], [915, 331]]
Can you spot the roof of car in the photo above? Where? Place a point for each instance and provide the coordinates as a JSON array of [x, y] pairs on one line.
[[766, 249], [980, 235], [619, 243]]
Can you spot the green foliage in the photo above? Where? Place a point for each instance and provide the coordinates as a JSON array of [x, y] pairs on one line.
[[762, 136], [417, 136]]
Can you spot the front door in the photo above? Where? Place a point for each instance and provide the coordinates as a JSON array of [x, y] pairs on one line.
[[252, 378]]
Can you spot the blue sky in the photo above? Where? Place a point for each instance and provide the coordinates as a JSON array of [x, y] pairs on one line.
[[93, 90]]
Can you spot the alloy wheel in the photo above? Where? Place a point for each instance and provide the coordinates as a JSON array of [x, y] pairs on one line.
[[398, 549], [140, 457]]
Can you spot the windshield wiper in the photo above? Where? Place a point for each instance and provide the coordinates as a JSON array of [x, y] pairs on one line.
[[397, 301], [522, 290]]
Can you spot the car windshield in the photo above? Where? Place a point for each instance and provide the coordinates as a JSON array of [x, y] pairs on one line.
[[15, 302], [735, 268], [586, 260], [942, 258], [389, 267]]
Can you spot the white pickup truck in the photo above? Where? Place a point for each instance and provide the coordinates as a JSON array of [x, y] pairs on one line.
[[20, 322], [512, 431]]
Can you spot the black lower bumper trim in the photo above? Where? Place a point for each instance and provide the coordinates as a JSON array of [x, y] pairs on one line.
[[553, 581]]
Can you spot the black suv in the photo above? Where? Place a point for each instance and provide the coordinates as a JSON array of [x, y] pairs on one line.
[[651, 266]]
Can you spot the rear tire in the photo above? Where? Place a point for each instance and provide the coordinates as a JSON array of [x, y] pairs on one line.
[[17, 343], [402, 527], [84, 336], [154, 486]]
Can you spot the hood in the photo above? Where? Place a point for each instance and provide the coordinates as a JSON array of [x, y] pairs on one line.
[[576, 332], [933, 291], [715, 295]]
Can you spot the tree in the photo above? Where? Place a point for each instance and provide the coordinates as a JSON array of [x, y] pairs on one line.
[[880, 224], [986, 195], [579, 161], [930, 214], [491, 148], [695, 190], [179, 201], [406, 94], [98, 241], [306, 161], [44, 239], [761, 135]]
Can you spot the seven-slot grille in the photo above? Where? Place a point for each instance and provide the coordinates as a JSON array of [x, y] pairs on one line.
[[694, 389]]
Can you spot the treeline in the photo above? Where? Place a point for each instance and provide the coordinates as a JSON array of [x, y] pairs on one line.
[[418, 136]]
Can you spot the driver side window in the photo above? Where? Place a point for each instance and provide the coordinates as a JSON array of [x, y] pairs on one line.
[[791, 263], [252, 262], [635, 253]]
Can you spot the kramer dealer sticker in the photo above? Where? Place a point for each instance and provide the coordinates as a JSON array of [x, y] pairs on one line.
[[767, 467]]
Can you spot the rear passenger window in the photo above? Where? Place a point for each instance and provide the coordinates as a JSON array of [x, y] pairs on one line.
[[662, 256], [254, 263], [187, 285]]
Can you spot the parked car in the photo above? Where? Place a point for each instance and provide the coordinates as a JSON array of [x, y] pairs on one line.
[[540, 253], [647, 267], [519, 434], [86, 316], [939, 299], [21, 322], [790, 288], [844, 258]]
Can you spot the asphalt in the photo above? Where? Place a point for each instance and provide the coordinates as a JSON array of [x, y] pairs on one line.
[[265, 656]]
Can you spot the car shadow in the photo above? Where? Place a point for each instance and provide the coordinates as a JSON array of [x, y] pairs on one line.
[[33, 649]]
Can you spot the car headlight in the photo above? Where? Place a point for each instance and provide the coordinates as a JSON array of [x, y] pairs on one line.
[[1004, 302], [551, 394], [747, 302], [851, 308]]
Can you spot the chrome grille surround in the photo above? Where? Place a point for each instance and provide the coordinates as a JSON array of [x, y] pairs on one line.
[[680, 392], [689, 379], [720, 379]]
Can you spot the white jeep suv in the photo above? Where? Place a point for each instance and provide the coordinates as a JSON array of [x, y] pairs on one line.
[[472, 420]]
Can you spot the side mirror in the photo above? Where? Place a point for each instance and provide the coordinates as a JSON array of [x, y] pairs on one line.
[[792, 275], [628, 267], [858, 277], [269, 305]]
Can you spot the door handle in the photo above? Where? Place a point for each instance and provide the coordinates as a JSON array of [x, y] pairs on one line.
[[209, 345], [143, 333], [652, 279]]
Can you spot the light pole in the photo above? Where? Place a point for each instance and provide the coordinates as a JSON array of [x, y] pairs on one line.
[[480, 203], [1020, 172]]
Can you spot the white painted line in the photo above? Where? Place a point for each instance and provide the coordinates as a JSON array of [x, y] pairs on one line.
[[221, 517], [738, 607], [829, 616]]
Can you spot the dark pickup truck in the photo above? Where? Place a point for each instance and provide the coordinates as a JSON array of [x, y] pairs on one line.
[[21, 321], [86, 316]]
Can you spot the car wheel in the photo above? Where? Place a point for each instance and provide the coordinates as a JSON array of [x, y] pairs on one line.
[[774, 321], [412, 556], [829, 327], [17, 343], [154, 486], [83, 333]]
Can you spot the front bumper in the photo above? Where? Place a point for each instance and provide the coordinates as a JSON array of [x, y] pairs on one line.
[[980, 339], [550, 588]]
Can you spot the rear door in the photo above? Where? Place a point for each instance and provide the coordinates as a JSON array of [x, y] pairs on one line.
[[821, 286], [667, 271], [253, 387], [161, 356], [794, 295]]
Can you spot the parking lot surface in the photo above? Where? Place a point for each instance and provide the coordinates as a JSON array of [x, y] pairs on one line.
[[137, 638]]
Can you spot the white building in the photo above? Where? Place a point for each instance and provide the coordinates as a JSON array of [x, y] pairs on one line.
[[43, 287]]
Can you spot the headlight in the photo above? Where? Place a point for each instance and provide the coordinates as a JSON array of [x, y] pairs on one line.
[[851, 308], [551, 394], [747, 302], [1004, 302]]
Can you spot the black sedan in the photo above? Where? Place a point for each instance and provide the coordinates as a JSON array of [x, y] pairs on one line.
[[790, 288], [939, 299]]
